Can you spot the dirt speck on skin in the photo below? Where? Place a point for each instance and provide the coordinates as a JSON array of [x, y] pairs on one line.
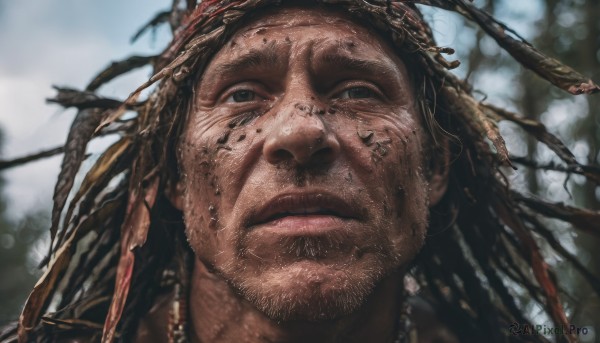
[[386, 208], [414, 228], [288, 40], [223, 138], [348, 177], [214, 218], [303, 108], [401, 196], [357, 252], [264, 41], [380, 149], [242, 137], [205, 168], [365, 135], [258, 130], [400, 192]]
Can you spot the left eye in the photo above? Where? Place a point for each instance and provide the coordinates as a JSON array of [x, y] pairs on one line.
[[243, 95], [357, 93]]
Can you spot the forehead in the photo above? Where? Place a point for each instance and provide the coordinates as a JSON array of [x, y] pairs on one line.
[[311, 17], [324, 29]]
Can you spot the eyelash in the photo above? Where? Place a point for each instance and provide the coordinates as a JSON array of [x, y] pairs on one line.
[[336, 94], [231, 92], [347, 86]]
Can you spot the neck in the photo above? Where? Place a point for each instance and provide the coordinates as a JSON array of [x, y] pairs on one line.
[[217, 314]]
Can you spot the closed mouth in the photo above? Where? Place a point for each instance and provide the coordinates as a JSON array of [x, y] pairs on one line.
[[309, 204]]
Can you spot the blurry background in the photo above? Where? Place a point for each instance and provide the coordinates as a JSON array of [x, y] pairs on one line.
[[66, 42], [45, 43]]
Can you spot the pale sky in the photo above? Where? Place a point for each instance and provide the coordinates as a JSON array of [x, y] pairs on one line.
[[62, 42]]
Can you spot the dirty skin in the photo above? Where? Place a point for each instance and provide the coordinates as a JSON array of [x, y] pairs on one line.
[[284, 110]]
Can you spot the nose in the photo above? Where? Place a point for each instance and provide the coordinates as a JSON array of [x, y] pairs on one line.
[[299, 135]]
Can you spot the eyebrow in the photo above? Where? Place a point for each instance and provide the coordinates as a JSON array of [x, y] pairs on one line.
[[255, 58], [355, 64]]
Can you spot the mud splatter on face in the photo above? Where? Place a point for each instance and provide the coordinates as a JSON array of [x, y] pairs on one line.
[[224, 137], [365, 136], [312, 124]]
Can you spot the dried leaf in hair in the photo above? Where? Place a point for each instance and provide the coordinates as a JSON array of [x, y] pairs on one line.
[[5, 164], [192, 50], [160, 18], [133, 234], [71, 324], [190, 5], [538, 264], [40, 295], [118, 68], [68, 97], [592, 173], [585, 220], [539, 131], [475, 116], [592, 279], [79, 135], [548, 68], [100, 170]]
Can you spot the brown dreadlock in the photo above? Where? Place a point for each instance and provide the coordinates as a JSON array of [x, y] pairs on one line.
[[109, 240]]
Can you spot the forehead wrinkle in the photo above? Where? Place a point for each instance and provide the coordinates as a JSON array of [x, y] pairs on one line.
[[339, 56], [267, 55]]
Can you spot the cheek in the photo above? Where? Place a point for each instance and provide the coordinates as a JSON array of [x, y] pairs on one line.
[[211, 158], [199, 160], [387, 148], [390, 154], [198, 198]]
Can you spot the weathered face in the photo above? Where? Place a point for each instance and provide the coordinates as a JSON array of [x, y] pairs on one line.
[[302, 164]]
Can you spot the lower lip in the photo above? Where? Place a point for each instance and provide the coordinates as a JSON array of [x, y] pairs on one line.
[[303, 225]]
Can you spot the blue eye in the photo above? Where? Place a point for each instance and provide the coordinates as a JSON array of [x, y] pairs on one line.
[[357, 93], [243, 95]]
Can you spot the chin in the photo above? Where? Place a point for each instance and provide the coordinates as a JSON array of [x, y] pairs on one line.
[[311, 290]]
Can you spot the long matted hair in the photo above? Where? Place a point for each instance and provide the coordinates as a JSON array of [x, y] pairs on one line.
[[114, 248]]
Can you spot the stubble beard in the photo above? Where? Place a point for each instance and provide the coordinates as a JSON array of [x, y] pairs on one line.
[[320, 278]]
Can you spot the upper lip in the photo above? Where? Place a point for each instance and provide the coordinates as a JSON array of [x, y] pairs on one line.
[[303, 204]]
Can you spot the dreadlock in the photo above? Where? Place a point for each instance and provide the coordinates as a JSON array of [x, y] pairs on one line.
[[109, 258]]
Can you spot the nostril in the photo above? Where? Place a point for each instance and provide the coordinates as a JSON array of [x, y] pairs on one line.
[[282, 155]]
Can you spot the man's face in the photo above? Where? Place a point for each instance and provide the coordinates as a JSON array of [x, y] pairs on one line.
[[302, 173]]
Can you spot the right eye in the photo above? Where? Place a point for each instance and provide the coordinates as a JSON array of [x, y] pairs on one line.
[[242, 95], [357, 93]]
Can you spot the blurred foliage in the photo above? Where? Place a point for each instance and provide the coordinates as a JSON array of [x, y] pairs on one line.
[[568, 30], [21, 245]]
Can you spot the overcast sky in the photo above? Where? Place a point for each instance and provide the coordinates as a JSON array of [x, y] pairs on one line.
[[63, 42]]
